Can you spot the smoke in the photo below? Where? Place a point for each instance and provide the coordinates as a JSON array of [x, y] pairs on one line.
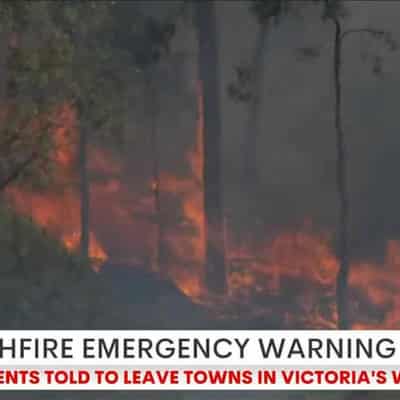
[[296, 149]]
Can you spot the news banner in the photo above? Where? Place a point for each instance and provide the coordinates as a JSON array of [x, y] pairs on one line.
[[199, 360]]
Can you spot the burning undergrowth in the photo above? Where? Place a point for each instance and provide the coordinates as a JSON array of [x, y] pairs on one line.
[[289, 278], [57, 209]]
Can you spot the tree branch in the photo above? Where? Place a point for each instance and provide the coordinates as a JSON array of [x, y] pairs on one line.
[[371, 31], [318, 50], [19, 169]]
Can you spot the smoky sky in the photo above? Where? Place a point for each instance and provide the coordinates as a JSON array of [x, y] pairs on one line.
[[296, 149]]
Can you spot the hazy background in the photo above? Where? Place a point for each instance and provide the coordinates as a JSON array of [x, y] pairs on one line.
[[296, 151], [296, 148]]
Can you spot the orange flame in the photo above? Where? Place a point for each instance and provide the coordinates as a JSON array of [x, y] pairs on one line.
[[57, 208], [188, 244], [291, 276]]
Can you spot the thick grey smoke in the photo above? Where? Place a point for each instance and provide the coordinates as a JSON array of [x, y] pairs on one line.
[[296, 151], [297, 145]]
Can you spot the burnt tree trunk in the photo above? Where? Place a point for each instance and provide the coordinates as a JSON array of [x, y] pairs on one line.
[[342, 190], [156, 184], [252, 132], [84, 192], [215, 273], [4, 53]]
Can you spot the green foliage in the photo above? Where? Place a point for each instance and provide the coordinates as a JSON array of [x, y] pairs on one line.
[[35, 56], [84, 53], [112, 44]]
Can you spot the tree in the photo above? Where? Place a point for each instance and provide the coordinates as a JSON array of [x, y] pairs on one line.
[[158, 35], [93, 72], [334, 12], [249, 84], [266, 13], [103, 62], [248, 88], [215, 269], [33, 59], [85, 192], [156, 185], [250, 138]]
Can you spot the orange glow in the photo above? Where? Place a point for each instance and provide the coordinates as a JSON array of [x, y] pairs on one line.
[[289, 277], [97, 254], [188, 244], [57, 209]]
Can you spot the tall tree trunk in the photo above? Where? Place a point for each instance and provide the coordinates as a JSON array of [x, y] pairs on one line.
[[252, 132], [215, 273], [85, 193], [4, 53], [343, 197], [158, 221], [342, 190]]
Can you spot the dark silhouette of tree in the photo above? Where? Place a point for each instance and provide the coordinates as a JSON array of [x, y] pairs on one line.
[[111, 43], [155, 172], [342, 186], [215, 269], [249, 83], [266, 13], [150, 49], [248, 88], [33, 58], [334, 11], [253, 129], [84, 192], [342, 162]]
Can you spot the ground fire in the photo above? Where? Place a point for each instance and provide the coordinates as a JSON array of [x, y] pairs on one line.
[[57, 210], [291, 275]]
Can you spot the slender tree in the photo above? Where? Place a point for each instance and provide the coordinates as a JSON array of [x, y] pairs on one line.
[[342, 186], [155, 171], [34, 58], [109, 42], [342, 162], [84, 192], [248, 88], [249, 83], [215, 269], [334, 11], [266, 14], [149, 50], [253, 128]]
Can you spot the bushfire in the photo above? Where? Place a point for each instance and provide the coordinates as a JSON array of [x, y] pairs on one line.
[[57, 209], [291, 276]]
